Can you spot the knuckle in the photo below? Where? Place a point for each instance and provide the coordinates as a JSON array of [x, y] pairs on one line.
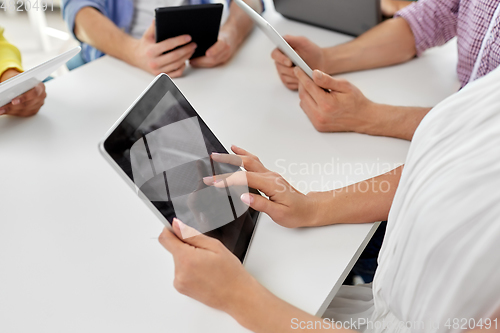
[[179, 284], [162, 238]]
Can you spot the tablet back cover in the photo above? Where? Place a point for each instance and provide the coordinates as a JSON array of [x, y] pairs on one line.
[[201, 22]]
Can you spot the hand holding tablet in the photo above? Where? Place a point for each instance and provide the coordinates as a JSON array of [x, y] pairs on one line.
[[275, 37], [201, 22]]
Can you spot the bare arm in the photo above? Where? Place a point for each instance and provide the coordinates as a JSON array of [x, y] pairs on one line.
[[335, 105], [231, 36], [367, 201], [239, 23], [389, 43], [229, 287], [95, 29]]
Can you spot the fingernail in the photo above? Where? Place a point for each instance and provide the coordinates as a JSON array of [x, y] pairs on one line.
[[214, 153], [2, 111], [318, 74], [247, 198], [180, 225], [16, 101], [187, 38], [208, 180]]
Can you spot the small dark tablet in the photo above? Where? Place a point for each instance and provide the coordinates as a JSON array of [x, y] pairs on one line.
[[201, 22]]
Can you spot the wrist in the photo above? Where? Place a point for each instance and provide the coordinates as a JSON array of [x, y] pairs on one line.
[[372, 118], [230, 35], [316, 202], [132, 47], [246, 301], [8, 73], [334, 60], [394, 121]]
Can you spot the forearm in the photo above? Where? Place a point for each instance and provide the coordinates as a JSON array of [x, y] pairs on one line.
[[389, 43], [239, 24], [95, 29], [392, 121], [260, 311], [363, 202]]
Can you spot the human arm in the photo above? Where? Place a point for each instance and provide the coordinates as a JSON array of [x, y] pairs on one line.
[[95, 29], [416, 28], [390, 7], [335, 105], [206, 271], [229, 287], [231, 36], [389, 43], [366, 201]]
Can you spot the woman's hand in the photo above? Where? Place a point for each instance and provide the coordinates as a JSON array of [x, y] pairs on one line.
[[205, 269], [286, 206], [27, 104]]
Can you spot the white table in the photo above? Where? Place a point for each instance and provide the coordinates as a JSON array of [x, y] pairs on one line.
[[79, 250]]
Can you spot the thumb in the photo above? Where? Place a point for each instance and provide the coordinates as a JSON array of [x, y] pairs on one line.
[[150, 34], [193, 237], [325, 81]]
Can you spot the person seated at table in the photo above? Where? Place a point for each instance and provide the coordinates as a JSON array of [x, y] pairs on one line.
[[418, 27], [391, 7], [439, 262], [30, 102], [125, 29]]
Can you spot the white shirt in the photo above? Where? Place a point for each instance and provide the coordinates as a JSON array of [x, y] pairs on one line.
[[144, 13], [439, 264]]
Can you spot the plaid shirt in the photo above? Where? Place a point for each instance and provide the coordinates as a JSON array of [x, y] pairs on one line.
[[434, 22]]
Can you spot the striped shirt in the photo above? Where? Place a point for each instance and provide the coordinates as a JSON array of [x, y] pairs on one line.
[[434, 22]]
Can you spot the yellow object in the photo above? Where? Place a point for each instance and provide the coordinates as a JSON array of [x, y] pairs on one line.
[[10, 57]]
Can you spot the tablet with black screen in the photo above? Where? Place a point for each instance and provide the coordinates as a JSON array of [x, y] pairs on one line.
[[201, 22], [161, 147]]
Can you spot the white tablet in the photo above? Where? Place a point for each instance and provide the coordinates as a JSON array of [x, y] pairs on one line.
[[161, 148], [25, 81], [275, 37]]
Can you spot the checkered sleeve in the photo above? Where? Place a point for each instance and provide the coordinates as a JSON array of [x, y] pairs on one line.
[[433, 22]]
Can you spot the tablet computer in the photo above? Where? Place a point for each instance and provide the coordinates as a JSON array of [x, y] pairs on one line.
[[201, 22], [275, 37], [27, 80], [162, 148]]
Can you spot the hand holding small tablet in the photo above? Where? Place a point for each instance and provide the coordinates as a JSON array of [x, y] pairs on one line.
[[201, 22]]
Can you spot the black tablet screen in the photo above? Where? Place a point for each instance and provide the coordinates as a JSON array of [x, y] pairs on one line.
[[167, 167]]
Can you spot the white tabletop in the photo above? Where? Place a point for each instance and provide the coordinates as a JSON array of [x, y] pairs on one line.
[[79, 250]]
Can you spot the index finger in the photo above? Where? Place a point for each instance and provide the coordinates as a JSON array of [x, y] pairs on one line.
[[249, 162], [308, 84], [170, 241], [258, 181], [170, 44]]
